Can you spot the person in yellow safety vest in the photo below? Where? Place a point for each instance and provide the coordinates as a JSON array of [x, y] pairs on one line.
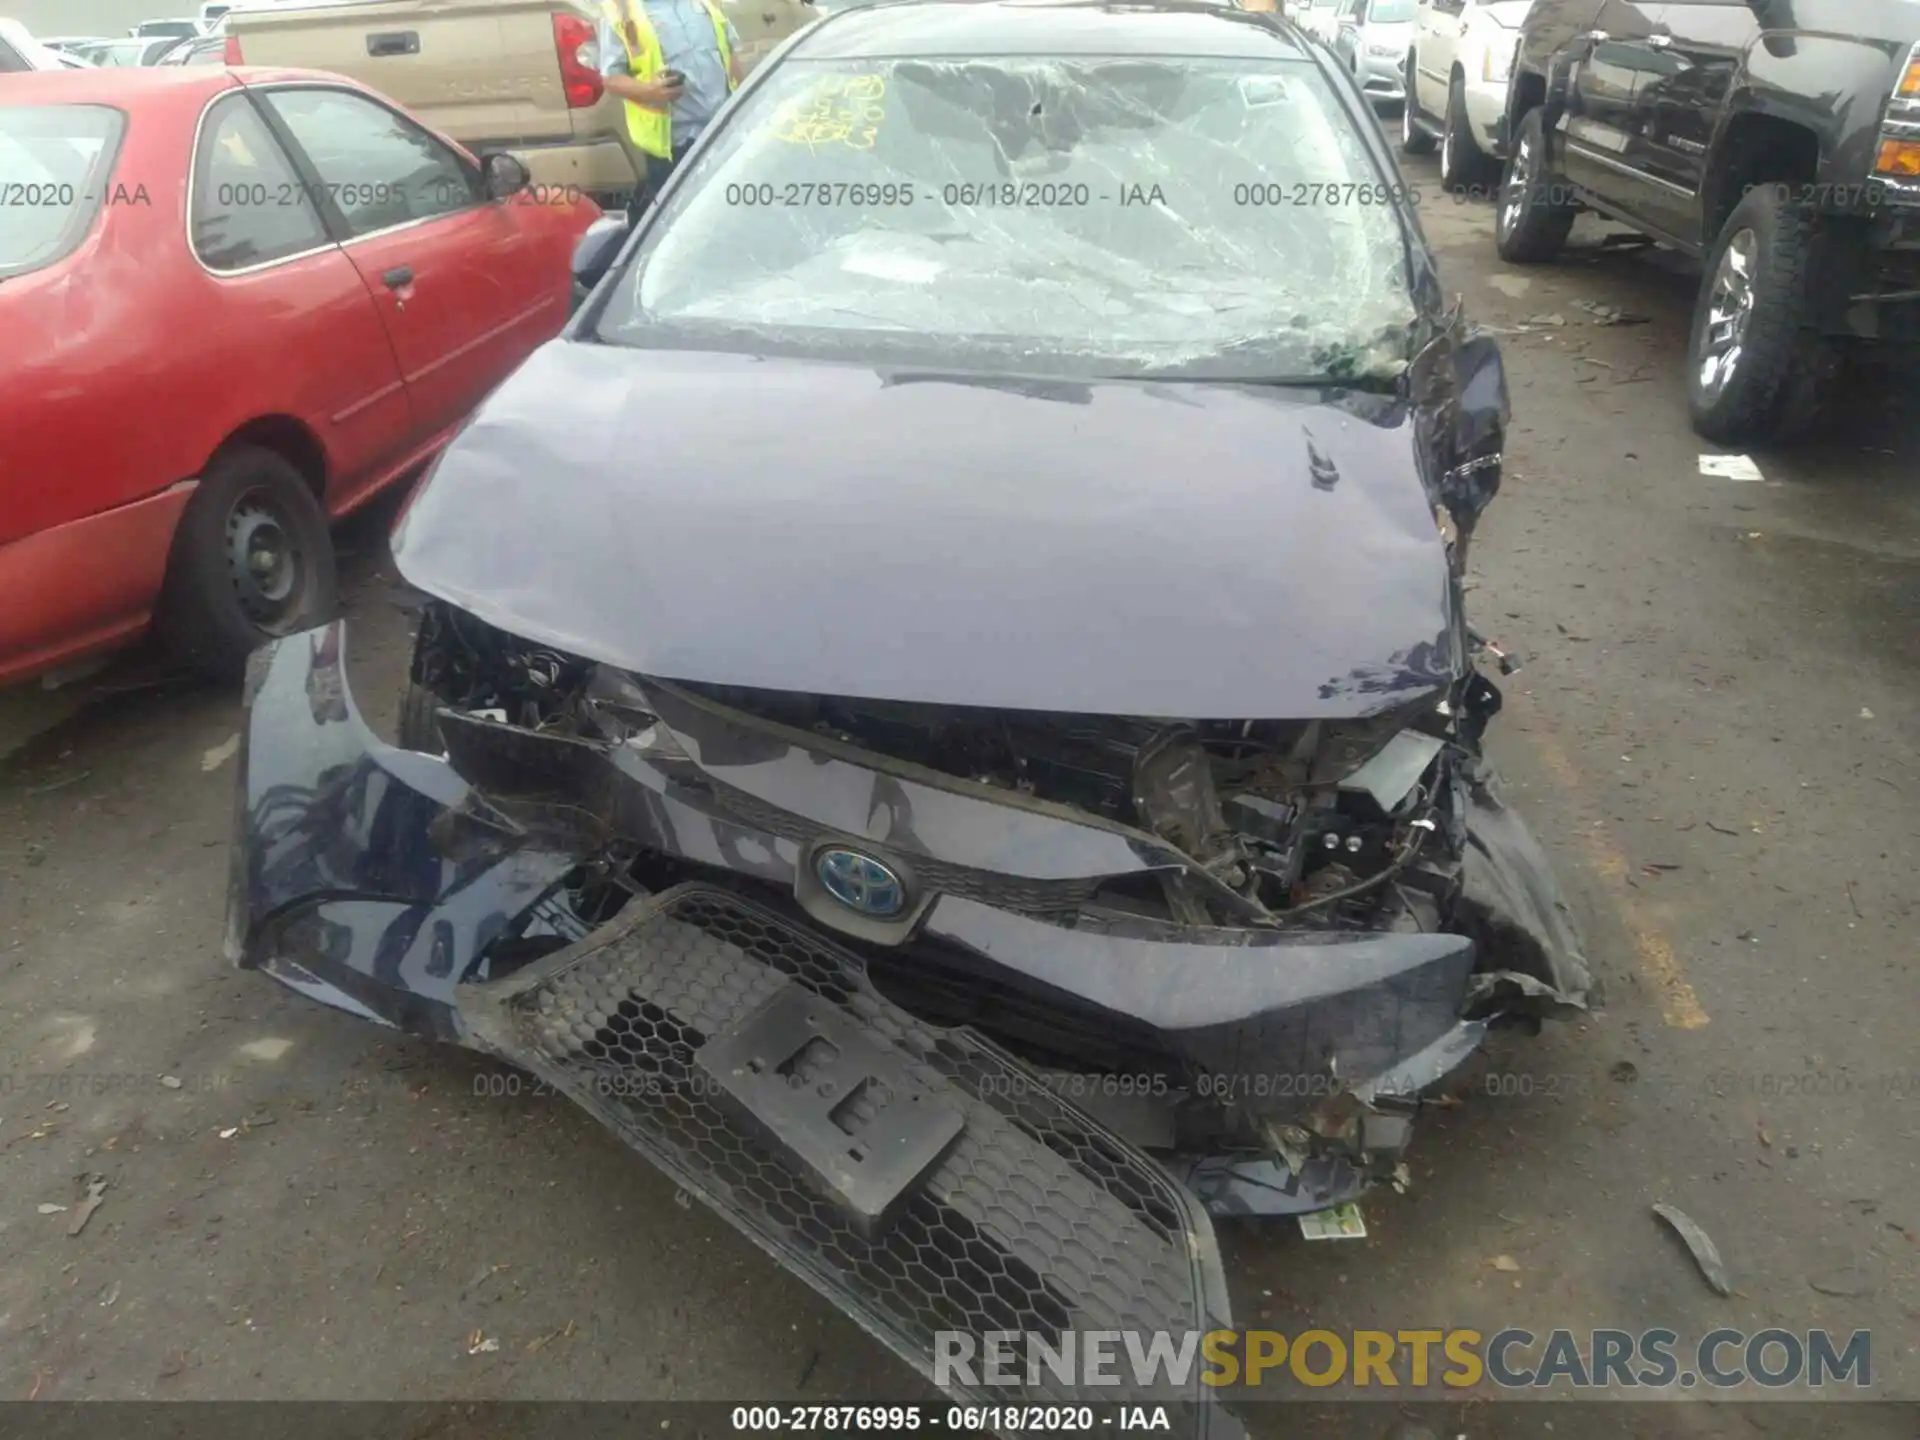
[[673, 63]]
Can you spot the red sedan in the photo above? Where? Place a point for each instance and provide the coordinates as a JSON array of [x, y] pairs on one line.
[[234, 304]]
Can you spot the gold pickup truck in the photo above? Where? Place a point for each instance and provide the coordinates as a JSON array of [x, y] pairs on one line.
[[515, 75]]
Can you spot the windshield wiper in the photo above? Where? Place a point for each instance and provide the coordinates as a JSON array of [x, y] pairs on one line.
[[1370, 384]]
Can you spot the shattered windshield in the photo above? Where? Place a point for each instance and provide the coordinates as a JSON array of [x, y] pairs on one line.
[[1191, 218]]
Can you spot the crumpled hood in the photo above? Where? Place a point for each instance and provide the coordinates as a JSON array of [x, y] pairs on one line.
[[1138, 548]]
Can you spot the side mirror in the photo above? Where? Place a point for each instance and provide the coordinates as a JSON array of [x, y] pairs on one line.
[[596, 250], [503, 175]]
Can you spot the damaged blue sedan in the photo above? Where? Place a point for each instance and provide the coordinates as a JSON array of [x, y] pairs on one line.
[[944, 713]]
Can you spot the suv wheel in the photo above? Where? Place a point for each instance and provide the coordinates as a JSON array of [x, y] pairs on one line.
[[1754, 368], [1463, 164], [1535, 211], [1413, 140]]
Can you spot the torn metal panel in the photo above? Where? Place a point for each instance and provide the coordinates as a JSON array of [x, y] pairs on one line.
[[1511, 905]]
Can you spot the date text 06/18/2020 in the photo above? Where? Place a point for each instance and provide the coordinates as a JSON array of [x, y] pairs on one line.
[[953, 1419]]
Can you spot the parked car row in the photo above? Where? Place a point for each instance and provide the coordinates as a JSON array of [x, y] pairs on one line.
[[117, 54], [1458, 65], [20, 51], [1778, 143], [151, 42]]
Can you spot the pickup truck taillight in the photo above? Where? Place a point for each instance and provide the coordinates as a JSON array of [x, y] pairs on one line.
[[230, 55], [574, 40]]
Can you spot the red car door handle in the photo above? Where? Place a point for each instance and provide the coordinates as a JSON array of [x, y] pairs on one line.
[[397, 277]]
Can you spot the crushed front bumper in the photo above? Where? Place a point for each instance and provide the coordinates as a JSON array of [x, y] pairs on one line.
[[919, 1175], [928, 1190]]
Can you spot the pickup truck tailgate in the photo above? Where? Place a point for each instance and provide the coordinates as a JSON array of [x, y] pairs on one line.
[[477, 70]]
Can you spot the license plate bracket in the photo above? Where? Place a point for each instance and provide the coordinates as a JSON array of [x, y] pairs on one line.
[[840, 1107]]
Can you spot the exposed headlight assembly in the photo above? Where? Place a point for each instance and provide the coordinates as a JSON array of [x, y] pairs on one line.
[[1898, 157]]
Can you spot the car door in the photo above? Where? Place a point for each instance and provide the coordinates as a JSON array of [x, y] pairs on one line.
[[1439, 41], [1698, 49], [1604, 150], [450, 270], [281, 286]]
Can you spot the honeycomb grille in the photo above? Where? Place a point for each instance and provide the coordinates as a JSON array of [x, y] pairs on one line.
[[989, 887], [1035, 1220]]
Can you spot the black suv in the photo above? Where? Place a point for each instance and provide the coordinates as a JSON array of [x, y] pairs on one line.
[[1778, 140]]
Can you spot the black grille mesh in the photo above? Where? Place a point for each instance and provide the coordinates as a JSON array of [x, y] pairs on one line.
[[1036, 1220]]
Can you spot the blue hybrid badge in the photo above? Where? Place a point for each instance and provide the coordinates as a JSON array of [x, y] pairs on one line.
[[861, 882]]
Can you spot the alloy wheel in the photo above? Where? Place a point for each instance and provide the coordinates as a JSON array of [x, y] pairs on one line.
[[1513, 197], [1729, 313]]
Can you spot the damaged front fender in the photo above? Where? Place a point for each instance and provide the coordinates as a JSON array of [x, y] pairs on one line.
[[365, 876]]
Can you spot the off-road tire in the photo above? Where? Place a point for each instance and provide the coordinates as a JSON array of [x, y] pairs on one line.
[[1779, 388], [1464, 166], [1546, 214], [1413, 140], [201, 615]]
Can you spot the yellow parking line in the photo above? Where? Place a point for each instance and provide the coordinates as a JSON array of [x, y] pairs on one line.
[[1680, 1007]]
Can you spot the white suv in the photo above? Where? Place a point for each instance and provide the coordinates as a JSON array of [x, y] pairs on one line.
[[1457, 74]]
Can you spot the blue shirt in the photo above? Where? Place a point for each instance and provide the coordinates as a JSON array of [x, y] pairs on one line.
[[685, 30]]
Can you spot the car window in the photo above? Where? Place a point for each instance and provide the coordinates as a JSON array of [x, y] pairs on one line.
[[121, 52], [1104, 215], [379, 167], [249, 205], [1390, 12], [55, 165]]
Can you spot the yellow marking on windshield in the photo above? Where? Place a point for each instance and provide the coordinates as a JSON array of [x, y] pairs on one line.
[[842, 110]]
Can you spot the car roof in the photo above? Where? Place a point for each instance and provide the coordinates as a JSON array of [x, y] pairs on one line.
[[122, 88], [1186, 28]]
